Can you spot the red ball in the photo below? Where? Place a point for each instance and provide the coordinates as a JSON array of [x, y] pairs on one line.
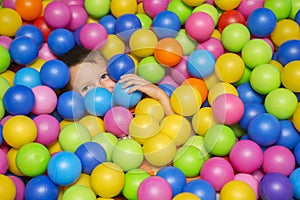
[[230, 17], [41, 24]]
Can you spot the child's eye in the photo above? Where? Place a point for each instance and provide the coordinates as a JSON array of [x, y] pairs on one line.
[[85, 89], [104, 76]]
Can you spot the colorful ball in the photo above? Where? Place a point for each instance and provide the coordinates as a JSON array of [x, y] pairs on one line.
[[213, 45], [45, 100], [203, 120], [118, 8], [227, 5], [92, 6], [230, 17], [94, 124], [296, 118], [250, 111], [289, 136], [188, 44], [250, 179], [20, 187], [294, 178], [199, 84], [201, 188], [93, 36], [181, 9], [28, 77], [5, 59], [118, 65], [60, 41], [153, 8], [12, 167], [248, 95], [126, 25], [4, 162], [288, 51], [57, 14], [123, 98], [7, 188], [289, 76], [107, 141], [237, 189], [10, 20], [280, 8], [246, 7], [113, 46], [220, 88], [150, 106], [79, 191], [79, 17], [286, 29], [32, 32], [201, 63], [151, 70]]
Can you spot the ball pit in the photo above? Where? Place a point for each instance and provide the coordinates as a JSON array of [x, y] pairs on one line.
[[229, 67]]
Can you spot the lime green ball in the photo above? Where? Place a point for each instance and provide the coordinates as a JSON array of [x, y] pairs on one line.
[[151, 70], [209, 9], [133, 179], [4, 59], [32, 159], [256, 52], [186, 42], [189, 160], [146, 21], [108, 142], [265, 78], [281, 103], [245, 78], [92, 8], [180, 9], [4, 85], [79, 192], [281, 8], [295, 8], [198, 142], [2, 110], [219, 140]]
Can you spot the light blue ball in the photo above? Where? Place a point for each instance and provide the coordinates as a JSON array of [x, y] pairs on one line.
[[28, 77], [122, 98], [201, 63]]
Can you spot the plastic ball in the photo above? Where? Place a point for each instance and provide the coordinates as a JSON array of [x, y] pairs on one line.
[[126, 25], [286, 29], [154, 188], [167, 88], [60, 41], [150, 106], [72, 136], [250, 111], [57, 14], [288, 51], [18, 100], [248, 95], [237, 189], [119, 8], [107, 179], [94, 124], [5, 41], [199, 22], [280, 8], [108, 22], [166, 24], [7, 188], [113, 46], [4, 162], [28, 77], [201, 63], [32, 159], [45, 100], [92, 6], [41, 24], [79, 17], [289, 136], [146, 21], [201, 188], [230, 17], [246, 7], [64, 168], [264, 129], [213, 45], [32, 32], [289, 76], [250, 179], [275, 185], [151, 70], [227, 5], [93, 36], [295, 118], [12, 167], [199, 84], [107, 141], [220, 88], [70, 105], [10, 22], [79, 192], [203, 120], [294, 178], [20, 187], [153, 8], [118, 65]]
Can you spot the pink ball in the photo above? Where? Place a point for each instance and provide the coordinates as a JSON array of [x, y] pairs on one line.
[[278, 159], [228, 109], [217, 171], [199, 26], [154, 188], [246, 7], [179, 72], [73, 2], [213, 45], [246, 156], [258, 175], [45, 53], [153, 7], [5, 41], [3, 162], [250, 180], [79, 17], [93, 36], [48, 129], [4, 119], [116, 120], [169, 80], [8, 4], [45, 100], [57, 14], [20, 187]]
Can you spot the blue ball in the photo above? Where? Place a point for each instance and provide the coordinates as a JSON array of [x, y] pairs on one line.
[[90, 154], [166, 24], [126, 25], [32, 32], [60, 41], [118, 65], [295, 180], [18, 100], [251, 110], [201, 63], [77, 36], [175, 177], [264, 129], [1, 135], [297, 17], [28, 77], [98, 101], [248, 95], [289, 136], [70, 105], [41, 188], [64, 168], [201, 188], [261, 22], [123, 98], [108, 21], [168, 88], [55, 74], [23, 50], [289, 51], [297, 153]]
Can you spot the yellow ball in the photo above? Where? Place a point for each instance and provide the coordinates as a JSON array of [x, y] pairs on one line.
[[221, 88], [276, 64], [152, 107], [37, 64], [64, 123], [12, 165], [227, 4], [177, 127], [121, 7], [186, 100], [211, 80], [84, 179], [114, 45], [185, 196], [203, 120], [19, 130], [9, 76], [290, 76], [107, 179], [7, 188], [193, 3], [140, 8], [54, 148], [286, 29], [94, 124], [237, 190], [159, 150], [296, 118], [10, 21]]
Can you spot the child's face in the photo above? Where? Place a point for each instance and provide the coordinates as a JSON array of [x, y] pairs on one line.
[[85, 76]]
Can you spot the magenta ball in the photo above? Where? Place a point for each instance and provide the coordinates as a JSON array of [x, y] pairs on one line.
[[3, 162], [154, 188], [169, 80], [117, 120], [179, 72], [278, 159], [45, 100], [199, 22], [228, 109], [217, 171], [93, 36], [246, 156], [79, 17], [20, 187], [57, 14], [246, 7], [48, 129], [213, 45], [73, 2], [250, 180], [153, 7], [8, 4], [45, 53], [5, 41]]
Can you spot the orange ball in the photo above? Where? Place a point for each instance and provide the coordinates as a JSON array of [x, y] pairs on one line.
[[168, 52], [29, 9], [199, 84]]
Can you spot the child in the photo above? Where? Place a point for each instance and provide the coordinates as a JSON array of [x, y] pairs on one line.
[[88, 70]]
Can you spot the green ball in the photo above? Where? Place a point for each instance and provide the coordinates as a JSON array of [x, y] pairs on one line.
[[4, 59], [256, 52], [151, 70], [209, 9], [92, 8], [295, 8], [198, 142], [189, 160], [128, 154], [79, 192], [72, 136], [219, 140], [180, 9], [245, 78], [235, 36], [133, 179], [281, 103], [186, 42], [108, 142], [32, 159], [238, 130], [281, 8], [4, 85], [146, 21], [2, 110], [265, 78]]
